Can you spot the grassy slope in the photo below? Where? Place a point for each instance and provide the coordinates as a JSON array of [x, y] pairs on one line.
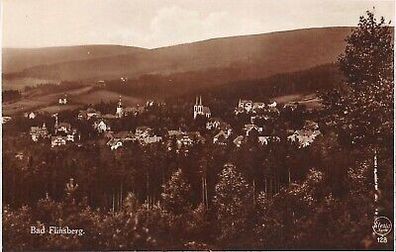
[[257, 55]]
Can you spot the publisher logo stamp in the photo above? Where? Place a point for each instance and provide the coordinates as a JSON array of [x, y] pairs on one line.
[[382, 226]]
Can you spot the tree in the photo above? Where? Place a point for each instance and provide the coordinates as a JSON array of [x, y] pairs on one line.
[[364, 108], [176, 195], [233, 202]]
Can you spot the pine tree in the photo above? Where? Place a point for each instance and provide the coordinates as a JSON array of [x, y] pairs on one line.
[[233, 203], [176, 195]]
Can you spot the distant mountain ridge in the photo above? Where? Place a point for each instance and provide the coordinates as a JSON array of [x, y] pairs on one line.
[[18, 59], [259, 56]]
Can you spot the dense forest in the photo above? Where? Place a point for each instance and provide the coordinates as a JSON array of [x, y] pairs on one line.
[[221, 84]]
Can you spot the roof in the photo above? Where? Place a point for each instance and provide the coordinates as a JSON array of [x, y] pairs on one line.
[[113, 141], [221, 133], [175, 132], [64, 124], [206, 110], [109, 116], [250, 126], [221, 136], [123, 134], [57, 138], [143, 128], [215, 119]]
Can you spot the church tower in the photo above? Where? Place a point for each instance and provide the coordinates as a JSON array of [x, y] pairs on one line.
[[120, 110], [56, 123], [198, 107]]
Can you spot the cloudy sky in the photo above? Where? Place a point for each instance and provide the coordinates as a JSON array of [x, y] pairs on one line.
[[156, 23]]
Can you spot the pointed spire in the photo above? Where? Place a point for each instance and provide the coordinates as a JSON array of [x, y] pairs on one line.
[[196, 100], [200, 100], [119, 102]]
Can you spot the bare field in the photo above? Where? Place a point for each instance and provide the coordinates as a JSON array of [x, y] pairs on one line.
[[309, 100], [77, 97], [21, 83]]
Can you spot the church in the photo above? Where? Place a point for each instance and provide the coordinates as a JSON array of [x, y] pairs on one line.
[[199, 109]]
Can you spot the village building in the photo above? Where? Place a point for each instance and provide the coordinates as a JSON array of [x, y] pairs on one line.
[[189, 139], [151, 140], [258, 105], [120, 109], [125, 136], [246, 105], [101, 126], [200, 110], [109, 116], [19, 156], [273, 104], [38, 133], [88, 114], [238, 141], [63, 127], [5, 119], [221, 138], [114, 143], [175, 133], [101, 83], [213, 123], [30, 115], [63, 100], [291, 106], [265, 140], [134, 110], [150, 103], [248, 128], [143, 132], [58, 141], [304, 137]]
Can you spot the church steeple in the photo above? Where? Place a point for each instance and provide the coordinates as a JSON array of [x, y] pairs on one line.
[[119, 110], [119, 102]]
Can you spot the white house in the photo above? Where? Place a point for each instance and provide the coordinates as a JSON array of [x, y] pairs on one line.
[[38, 133], [58, 141], [63, 100], [245, 104], [238, 141], [303, 138], [114, 143], [32, 115], [101, 126], [248, 128], [221, 138]]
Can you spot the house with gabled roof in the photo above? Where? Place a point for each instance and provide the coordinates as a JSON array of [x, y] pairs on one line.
[[221, 138]]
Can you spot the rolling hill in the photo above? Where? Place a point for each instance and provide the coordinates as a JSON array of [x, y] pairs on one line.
[[253, 56], [18, 59]]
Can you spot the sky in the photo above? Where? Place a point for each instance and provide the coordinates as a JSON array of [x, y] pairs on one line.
[[158, 23]]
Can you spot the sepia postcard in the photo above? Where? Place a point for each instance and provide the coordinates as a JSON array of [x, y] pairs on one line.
[[202, 125]]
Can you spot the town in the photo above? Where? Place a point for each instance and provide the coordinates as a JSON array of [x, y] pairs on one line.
[[216, 131]]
